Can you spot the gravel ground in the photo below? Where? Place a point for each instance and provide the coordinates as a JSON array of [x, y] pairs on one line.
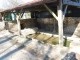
[[9, 51], [13, 47]]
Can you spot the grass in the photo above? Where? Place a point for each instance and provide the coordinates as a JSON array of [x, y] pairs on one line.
[[55, 43], [48, 39]]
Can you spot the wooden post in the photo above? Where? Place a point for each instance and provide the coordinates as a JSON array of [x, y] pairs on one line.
[[60, 22], [18, 22], [19, 15], [3, 19], [59, 19]]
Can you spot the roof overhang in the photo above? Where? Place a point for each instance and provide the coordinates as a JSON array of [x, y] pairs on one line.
[[28, 4]]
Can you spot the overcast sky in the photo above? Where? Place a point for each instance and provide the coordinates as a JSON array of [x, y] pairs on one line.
[[7, 4], [4, 4]]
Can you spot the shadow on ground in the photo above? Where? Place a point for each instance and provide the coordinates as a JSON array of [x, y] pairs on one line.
[[8, 39], [15, 50]]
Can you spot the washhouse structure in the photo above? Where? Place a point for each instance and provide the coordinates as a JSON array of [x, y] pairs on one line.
[[57, 9]]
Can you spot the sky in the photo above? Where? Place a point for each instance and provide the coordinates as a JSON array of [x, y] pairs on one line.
[[5, 4]]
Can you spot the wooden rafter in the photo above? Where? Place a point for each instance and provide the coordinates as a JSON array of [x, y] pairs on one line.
[[65, 10], [50, 11]]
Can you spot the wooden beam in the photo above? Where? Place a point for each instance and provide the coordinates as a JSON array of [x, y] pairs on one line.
[[69, 2], [50, 11], [60, 22], [21, 15], [64, 13]]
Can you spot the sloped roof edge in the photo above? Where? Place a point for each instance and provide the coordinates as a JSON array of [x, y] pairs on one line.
[[28, 4]]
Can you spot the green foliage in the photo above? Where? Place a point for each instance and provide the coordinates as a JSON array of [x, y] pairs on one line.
[[66, 43]]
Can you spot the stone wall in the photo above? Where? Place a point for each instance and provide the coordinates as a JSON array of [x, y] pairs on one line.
[[50, 24], [27, 23], [71, 25], [47, 24], [1, 25]]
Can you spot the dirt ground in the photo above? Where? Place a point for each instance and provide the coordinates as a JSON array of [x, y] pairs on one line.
[[13, 47]]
